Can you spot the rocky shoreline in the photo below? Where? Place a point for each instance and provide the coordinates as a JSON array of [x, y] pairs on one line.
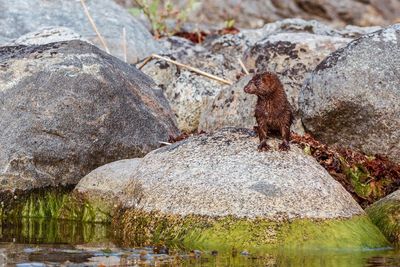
[[81, 133]]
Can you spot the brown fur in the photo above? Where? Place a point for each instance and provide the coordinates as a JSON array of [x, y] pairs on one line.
[[273, 111]]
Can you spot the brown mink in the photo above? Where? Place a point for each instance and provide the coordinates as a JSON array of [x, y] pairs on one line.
[[273, 111]]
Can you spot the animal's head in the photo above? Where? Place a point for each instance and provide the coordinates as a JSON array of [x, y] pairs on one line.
[[262, 84]]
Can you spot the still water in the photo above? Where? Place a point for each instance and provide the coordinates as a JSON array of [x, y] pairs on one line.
[[65, 243]]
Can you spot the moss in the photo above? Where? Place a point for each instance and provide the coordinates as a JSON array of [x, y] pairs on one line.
[[51, 203], [386, 215], [138, 228]]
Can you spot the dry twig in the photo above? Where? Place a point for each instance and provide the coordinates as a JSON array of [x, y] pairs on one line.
[[243, 66], [124, 44], [103, 42], [208, 75], [164, 143]]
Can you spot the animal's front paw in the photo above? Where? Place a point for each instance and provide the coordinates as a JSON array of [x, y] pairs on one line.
[[284, 146], [263, 146]]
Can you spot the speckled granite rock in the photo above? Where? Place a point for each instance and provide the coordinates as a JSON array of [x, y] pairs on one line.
[[352, 97], [103, 186], [385, 213], [222, 180], [19, 17], [230, 107], [223, 174], [67, 108], [108, 181], [187, 91]]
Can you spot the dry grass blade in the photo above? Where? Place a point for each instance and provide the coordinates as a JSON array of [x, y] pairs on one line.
[[164, 143], [208, 75], [103, 42], [147, 60], [124, 46], [243, 66]]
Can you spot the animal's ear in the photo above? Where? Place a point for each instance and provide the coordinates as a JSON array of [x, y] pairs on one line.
[[265, 79]]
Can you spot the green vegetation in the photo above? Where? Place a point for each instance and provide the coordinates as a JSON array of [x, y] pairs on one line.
[[51, 203], [230, 23], [386, 215], [363, 181], [367, 178], [139, 228], [158, 11]]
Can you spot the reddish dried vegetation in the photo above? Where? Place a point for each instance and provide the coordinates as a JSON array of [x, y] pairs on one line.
[[367, 178], [195, 37], [199, 37], [183, 136], [229, 30]]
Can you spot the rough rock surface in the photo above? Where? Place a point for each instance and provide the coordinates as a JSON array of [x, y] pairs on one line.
[[223, 174], [67, 108], [102, 188], [20, 17], [230, 107], [47, 35], [385, 213], [187, 91], [352, 97], [108, 181], [255, 13], [307, 26]]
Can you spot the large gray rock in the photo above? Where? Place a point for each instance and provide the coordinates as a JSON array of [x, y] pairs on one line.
[[67, 108], [109, 180], [20, 17], [224, 174], [352, 97], [103, 186], [216, 190]]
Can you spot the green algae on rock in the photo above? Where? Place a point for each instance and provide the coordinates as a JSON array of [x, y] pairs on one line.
[[138, 228], [50, 203], [385, 213]]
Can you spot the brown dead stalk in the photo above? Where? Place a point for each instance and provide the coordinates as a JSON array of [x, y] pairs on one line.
[[103, 42], [196, 70]]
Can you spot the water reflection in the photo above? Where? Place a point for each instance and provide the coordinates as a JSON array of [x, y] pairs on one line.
[[63, 243], [41, 231]]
